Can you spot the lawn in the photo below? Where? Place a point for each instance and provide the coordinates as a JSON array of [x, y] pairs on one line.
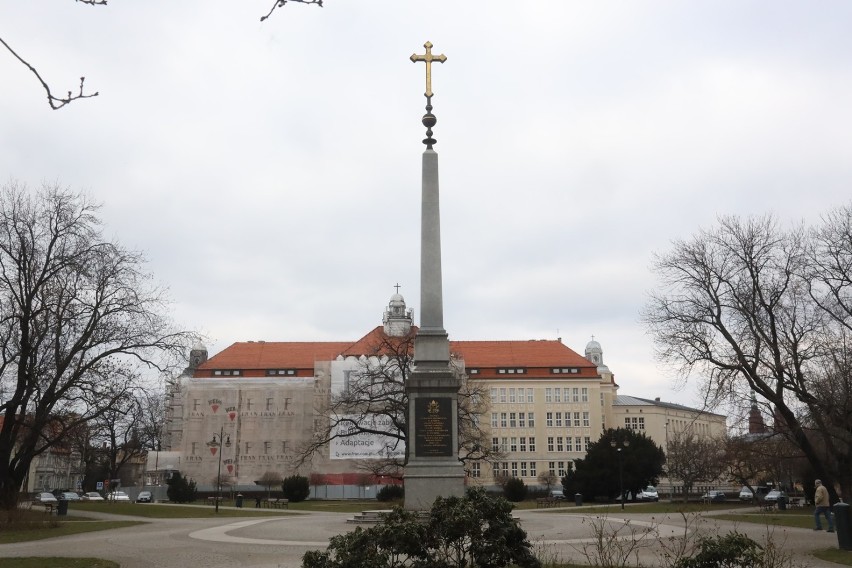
[[650, 508], [53, 562], [52, 530], [835, 555], [168, 511], [797, 518]]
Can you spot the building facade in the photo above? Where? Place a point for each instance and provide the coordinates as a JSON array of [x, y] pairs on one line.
[[247, 410]]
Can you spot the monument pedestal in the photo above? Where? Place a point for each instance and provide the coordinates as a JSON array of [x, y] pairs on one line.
[[433, 468]]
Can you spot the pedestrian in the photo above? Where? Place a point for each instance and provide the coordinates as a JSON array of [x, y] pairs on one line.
[[822, 506]]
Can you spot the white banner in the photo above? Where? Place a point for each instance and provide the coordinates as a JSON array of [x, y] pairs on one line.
[[359, 446]]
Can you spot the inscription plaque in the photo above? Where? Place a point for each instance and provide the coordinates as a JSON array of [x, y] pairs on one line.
[[433, 427]]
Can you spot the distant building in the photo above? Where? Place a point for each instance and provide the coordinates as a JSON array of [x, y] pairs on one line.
[[547, 404]]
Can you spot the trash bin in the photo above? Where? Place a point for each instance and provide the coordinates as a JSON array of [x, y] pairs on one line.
[[239, 500], [843, 526], [578, 499], [62, 507], [782, 502]]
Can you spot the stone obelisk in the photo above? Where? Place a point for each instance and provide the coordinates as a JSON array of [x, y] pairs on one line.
[[433, 468]]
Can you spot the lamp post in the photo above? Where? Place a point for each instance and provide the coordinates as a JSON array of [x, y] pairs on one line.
[[618, 449], [218, 444]]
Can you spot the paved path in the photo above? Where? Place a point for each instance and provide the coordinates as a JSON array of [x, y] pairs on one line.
[[280, 541]]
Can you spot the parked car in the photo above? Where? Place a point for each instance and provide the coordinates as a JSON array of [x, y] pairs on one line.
[[120, 496], [69, 496], [557, 494], [773, 496], [746, 494], [714, 497], [45, 498], [143, 497], [91, 496], [648, 494]]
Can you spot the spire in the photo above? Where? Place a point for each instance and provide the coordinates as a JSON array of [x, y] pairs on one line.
[[397, 319], [429, 119]]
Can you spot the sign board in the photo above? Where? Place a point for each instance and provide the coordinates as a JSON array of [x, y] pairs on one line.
[[351, 444], [99, 485], [433, 427]]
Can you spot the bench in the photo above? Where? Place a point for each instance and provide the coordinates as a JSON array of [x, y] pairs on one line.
[[544, 502], [767, 505], [275, 503], [212, 500]]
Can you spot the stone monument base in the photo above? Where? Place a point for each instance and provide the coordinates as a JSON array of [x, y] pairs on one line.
[[425, 481]]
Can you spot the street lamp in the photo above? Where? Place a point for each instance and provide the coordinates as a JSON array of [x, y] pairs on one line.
[[618, 449], [217, 443]]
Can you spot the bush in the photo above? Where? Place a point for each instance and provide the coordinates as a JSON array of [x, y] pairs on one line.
[[729, 551], [391, 493], [474, 530], [515, 490], [296, 488], [181, 490]]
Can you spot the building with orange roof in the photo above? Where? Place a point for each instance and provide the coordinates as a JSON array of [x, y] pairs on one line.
[[546, 404]]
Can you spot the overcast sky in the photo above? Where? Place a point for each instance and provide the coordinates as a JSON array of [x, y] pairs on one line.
[[271, 171]]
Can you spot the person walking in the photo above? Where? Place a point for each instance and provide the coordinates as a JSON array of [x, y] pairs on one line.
[[822, 506]]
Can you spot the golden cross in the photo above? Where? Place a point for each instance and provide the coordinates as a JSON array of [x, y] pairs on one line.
[[428, 58]]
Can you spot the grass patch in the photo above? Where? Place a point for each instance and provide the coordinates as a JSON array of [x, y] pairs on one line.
[[835, 555], [795, 519], [54, 562], [158, 511], [52, 530], [659, 507]]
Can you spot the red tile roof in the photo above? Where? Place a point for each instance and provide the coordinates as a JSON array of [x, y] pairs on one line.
[[483, 354]]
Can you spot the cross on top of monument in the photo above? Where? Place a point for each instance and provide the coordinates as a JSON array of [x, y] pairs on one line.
[[429, 119], [428, 58]]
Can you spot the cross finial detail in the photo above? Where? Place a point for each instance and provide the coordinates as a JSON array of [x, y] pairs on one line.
[[397, 288], [428, 58]]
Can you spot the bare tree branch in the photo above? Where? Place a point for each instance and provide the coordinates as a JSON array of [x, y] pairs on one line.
[[280, 3], [54, 101]]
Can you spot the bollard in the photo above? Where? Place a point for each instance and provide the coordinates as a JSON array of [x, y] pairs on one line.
[[842, 526]]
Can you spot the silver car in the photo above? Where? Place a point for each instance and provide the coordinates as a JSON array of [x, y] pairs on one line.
[[91, 496]]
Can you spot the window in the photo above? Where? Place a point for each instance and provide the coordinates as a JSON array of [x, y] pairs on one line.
[[532, 444], [503, 395], [520, 395], [576, 392], [495, 444], [530, 395], [473, 371], [532, 470], [584, 394], [511, 395], [586, 441], [559, 444], [556, 395], [577, 444], [514, 469], [548, 419], [227, 373], [586, 419], [548, 395], [567, 395], [559, 420], [522, 420], [550, 443], [514, 445], [504, 466], [493, 396], [641, 422], [280, 372], [475, 471], [523, 445], [493, 419], [561, 469], [512, 421], [531, 419], [576, 419], [504, 444], [523, 469], [503, 420]]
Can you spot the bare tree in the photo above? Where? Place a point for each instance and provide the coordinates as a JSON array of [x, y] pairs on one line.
[[755, 308], [269, 480], [118, 429], [548, 479], [374, 403], [79, 321], [691, 458]]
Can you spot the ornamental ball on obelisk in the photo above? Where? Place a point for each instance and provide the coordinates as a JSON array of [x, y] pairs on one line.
[[433, 469]]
